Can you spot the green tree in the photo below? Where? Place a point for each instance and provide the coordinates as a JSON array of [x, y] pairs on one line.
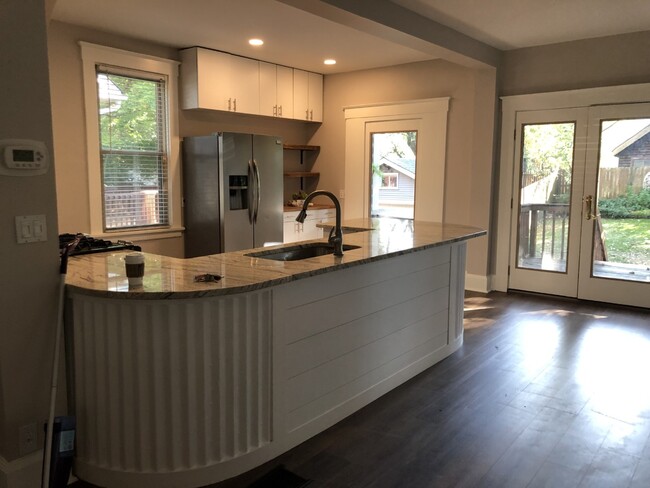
[[132, 136], [548, 148]]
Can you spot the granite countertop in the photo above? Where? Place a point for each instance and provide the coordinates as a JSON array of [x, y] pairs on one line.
[[103, 274]]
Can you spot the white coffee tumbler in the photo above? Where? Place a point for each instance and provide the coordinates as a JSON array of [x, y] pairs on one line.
[[134, 263]]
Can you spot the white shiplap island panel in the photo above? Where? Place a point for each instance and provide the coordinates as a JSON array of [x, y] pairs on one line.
[[185, 386]]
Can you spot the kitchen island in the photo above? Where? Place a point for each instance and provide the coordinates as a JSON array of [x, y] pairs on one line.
[[183, 383]]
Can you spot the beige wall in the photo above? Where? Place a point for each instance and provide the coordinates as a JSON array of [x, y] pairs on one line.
[[606, 61], [469, 137], [29, 272]]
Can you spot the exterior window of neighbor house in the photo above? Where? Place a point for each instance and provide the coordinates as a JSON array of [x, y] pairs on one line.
[[390, 180], [133, 149]]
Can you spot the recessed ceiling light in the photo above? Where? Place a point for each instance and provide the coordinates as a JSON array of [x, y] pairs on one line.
[[329, 61], [255, 42]]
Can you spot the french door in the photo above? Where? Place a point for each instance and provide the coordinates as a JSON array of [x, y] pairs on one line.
[[580, 215]]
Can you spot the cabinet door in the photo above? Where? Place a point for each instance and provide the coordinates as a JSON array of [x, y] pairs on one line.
[[284, 92], [315, 97], [213, 79], [268, 89], [300, 94], [245, 81], [293, 232]]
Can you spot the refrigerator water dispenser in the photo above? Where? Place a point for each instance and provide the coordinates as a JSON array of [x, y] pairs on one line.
[[238, 189]]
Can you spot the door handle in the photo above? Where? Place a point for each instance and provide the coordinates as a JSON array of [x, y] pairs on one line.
[[250, 193], [590, 214], [258, 190]]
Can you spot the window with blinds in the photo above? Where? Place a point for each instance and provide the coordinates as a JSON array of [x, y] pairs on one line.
[[133, 149]]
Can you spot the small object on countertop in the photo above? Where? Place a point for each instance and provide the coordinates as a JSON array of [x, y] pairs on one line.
[[207, 278], [134, 263]]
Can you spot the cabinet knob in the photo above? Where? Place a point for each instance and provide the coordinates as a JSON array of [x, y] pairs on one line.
[[234, 105], [275, 110], [311, 115], [307, 114], [280, 110], [229, 104]]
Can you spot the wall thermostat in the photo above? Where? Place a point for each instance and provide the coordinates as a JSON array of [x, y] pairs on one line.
[[23, 157]]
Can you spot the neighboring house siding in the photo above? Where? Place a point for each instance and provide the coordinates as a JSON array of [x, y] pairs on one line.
[[636, 154]]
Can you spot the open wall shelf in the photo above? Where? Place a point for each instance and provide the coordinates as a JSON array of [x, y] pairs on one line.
[[292, 172]]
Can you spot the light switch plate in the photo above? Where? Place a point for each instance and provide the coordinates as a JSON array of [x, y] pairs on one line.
[[30, 228]]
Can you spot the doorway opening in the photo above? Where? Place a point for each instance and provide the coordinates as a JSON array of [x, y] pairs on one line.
[[393, 168]]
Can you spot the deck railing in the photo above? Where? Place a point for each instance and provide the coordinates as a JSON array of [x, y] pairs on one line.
[[129, 207], [544, 229]]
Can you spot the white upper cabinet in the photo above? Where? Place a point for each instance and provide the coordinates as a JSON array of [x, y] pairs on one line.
[[245, 83], [285, 92], [307, 95], [315, 97], [219, 81], [276, 90], [204, 84]]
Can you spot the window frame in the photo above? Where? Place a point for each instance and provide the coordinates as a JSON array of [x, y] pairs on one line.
[[93, 55], [394, 175]]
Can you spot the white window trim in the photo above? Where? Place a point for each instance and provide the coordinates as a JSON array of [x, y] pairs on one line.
[[93, 54], [432, 115]]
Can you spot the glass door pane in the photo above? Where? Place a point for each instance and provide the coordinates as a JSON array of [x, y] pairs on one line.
[[621, 243], [393, 162], [546, 169], [615, 242]]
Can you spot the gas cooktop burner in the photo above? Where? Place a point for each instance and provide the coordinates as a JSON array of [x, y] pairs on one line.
[[89, 245]]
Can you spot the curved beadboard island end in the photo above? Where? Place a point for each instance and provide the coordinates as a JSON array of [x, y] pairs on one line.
[[184, 384]]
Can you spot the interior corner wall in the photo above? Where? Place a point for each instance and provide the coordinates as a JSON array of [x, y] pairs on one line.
[[471, 118], [587, 63], [30, 272]]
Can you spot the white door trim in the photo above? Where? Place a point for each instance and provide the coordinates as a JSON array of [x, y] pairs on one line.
[[432, 114], [541, 101]]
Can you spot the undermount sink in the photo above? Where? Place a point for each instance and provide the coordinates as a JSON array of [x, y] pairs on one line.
[[298, 252]]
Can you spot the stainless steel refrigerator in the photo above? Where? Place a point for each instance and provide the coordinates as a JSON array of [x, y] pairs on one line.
[[232, 192]]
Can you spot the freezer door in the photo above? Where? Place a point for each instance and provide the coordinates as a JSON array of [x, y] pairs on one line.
[[267, 159], [236, 152], [202, 196]]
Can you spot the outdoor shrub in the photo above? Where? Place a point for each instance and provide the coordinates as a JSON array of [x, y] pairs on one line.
[[628, 206]]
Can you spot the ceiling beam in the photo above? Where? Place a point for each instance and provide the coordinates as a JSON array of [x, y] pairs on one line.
[[395, 23]]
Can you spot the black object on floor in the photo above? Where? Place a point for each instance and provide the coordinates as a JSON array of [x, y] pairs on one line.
[[279, 477]]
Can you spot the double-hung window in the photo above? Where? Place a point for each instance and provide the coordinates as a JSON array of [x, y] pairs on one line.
[[133, 148], [132, 141]]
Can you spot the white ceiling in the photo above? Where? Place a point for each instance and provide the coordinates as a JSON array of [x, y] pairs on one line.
[[294, 37], [512, 24]]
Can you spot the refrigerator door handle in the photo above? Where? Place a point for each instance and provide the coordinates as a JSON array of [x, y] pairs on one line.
[[258, 190], [251, 187]]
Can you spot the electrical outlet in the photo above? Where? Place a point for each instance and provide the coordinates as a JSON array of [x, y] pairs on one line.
[[341, 193], [27, 439]]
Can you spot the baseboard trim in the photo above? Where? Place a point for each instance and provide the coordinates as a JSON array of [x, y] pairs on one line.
[[477, 283], [24, 472]]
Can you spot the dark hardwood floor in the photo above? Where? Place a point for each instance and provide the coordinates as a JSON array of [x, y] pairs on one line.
[[545, 392]]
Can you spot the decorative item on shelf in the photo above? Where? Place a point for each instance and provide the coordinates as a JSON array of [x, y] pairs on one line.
[[298, 198]]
